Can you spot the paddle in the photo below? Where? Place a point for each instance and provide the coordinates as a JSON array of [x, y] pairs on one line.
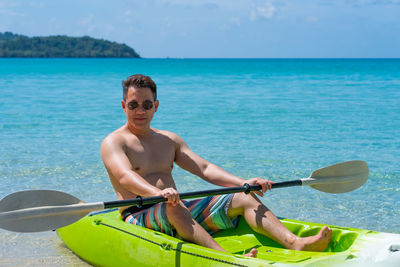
[[42, 210]]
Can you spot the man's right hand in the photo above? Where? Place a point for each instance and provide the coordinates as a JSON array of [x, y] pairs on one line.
[[171, 194]]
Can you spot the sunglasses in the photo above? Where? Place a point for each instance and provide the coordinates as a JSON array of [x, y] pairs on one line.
[[147, 105]]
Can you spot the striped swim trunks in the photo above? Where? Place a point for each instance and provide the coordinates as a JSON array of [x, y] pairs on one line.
[[210, 212]]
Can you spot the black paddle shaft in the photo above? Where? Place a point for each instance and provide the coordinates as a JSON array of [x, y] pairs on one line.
[[139, 201]]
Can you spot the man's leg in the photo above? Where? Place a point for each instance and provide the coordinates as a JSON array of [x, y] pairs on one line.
[[263, 221], [181, 219]]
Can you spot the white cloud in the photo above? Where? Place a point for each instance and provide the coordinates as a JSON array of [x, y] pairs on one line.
[[191, 3], [11, 9], [128, 16], [91, 28], [88, 20], [37, 4], [88, 24], [312, 19], [109, 29], [374, 2], [266, 11], [11, 13], [8, 4], [235, 21]]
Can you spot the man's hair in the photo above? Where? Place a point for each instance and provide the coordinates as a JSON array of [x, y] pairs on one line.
[[139, 81]]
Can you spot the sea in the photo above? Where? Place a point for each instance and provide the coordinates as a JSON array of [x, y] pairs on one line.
[[279, 119]]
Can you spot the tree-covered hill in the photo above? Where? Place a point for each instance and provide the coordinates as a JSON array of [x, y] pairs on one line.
[[15, 45]]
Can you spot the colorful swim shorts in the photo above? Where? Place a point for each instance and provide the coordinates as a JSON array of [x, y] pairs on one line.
[[210, 212]]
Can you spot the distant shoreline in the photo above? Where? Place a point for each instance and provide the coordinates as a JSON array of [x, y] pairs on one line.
[[61, 46]]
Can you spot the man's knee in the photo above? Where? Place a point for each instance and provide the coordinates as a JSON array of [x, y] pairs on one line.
[[179, 216], [242, 200], [177, 210]]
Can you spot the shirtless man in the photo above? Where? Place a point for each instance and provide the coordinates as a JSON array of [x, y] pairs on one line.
[[139, 160]]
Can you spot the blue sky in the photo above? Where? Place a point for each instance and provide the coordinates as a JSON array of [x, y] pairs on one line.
[[219, 28]]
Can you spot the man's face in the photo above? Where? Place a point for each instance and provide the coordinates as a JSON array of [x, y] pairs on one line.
[[139, 107]]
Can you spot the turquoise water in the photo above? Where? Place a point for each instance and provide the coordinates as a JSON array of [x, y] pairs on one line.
[[276, 118]]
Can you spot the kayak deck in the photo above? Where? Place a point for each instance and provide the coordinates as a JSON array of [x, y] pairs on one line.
[[103, 239]]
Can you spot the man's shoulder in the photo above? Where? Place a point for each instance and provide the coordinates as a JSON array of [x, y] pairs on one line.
[[173, 136], [116, 137]]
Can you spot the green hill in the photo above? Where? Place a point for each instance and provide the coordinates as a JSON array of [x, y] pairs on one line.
[[15, 45]]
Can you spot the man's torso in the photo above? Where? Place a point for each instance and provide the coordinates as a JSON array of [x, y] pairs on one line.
[[151, 157]]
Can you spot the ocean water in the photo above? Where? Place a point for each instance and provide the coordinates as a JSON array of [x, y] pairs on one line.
[[275, 118]]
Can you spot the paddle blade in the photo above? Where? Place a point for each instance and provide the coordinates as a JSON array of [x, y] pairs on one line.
[[39, 210], [340, 178]]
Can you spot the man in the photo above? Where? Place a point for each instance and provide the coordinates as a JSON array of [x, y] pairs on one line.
[[139, 160]]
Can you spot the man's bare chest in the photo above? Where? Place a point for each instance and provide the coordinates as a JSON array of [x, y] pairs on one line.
[[152, 156]]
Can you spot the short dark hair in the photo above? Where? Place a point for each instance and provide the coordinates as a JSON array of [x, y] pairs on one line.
[[139, 81]]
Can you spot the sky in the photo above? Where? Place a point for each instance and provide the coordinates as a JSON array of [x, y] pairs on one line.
[[219, 28]]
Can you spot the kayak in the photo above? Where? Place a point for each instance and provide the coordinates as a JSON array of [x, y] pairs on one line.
[[104, 239]]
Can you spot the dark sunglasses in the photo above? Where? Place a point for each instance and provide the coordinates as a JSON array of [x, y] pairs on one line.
[[147, 105]]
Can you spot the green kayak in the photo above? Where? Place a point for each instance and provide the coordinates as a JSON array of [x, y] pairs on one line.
[[103, 239]]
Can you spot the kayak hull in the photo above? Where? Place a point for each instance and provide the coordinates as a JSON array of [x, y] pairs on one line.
[[103, 239]]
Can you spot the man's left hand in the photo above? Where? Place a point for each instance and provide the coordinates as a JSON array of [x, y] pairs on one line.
[[264, 183]]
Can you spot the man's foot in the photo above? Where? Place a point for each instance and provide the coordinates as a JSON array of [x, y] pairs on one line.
[[317, 242], [253, 253]]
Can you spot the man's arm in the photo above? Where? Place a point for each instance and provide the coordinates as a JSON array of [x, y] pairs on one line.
[[191, 162]]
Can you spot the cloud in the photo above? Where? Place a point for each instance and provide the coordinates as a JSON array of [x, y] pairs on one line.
[[128, 16], [108, 29], [266, 11], [8, 4], [311, 19], [87, 21], [235, 21], [190, 3], [37, 4], [374, 2], [11, 9], [11, 13]]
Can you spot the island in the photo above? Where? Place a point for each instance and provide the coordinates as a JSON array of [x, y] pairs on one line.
[[16, 45]]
